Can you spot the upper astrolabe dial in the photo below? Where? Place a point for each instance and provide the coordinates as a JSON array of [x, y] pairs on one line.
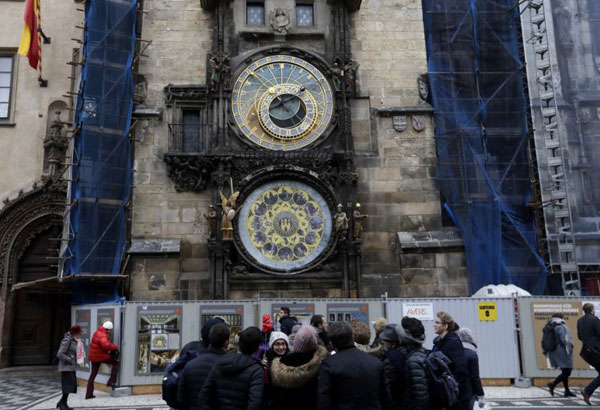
[[282, 103]]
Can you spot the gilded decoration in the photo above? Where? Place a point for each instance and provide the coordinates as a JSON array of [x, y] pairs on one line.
[[285, 225]]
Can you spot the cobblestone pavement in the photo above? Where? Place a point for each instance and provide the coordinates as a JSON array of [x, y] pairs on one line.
[[18, 391]]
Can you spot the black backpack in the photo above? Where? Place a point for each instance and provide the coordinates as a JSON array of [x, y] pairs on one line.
[[171, 378], [443, 387], [549, 338]]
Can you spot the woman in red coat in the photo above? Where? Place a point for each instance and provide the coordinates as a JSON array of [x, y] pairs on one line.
[[100, 349]]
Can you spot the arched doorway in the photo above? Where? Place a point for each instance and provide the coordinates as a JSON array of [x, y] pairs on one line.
[[41, 312]]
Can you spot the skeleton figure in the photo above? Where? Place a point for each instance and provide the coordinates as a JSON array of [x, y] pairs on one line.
[[358, 218], [229, 212]]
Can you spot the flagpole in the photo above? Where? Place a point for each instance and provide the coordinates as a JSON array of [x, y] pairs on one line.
[[43, 83]]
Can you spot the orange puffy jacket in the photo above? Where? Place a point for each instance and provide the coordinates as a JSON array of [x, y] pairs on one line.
[[101, 346]]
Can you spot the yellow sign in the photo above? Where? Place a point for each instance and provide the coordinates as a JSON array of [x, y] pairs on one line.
[[487, 311]]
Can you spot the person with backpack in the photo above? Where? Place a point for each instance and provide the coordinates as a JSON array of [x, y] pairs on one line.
[[196, 371], [100, 352], [286, 322], [411, 335], [448, 343], [351, 379], [394, 365], [236, 381], [588, 331], [466, 337], [171, 378], [557, 345], [67, 365]]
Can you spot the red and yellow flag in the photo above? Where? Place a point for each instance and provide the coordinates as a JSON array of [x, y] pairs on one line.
[[30, 39]]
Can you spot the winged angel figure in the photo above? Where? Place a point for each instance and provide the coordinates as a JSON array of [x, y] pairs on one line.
[[229, 212]]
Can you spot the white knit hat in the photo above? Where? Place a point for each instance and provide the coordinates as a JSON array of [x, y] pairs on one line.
[[275, 336], [107, 325]]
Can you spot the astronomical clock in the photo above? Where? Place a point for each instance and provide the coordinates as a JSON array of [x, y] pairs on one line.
[[277, 150]]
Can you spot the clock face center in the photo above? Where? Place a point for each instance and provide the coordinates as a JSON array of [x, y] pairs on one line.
[[287, 110]]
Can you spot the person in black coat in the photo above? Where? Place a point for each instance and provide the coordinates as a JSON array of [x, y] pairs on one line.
[[236, 382], [294, 376], [411, 334], [466, 337], [285, 321], [351, 379], [199, 345], [448, 343], [588, 331], [196, 371], [394, 365]]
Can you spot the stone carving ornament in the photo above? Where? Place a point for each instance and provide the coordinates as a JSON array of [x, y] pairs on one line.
[[280, 21], [358, 219], [212, 221], [341, 223], [399, 122]]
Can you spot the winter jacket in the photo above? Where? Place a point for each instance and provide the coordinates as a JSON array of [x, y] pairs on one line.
[[287, 323], [452, 347], [195, 346], [562, 356], [236, 382], [473, 364], [193, 377], [394, 365], [294, 380], [101, 346], [67, 354], [417, 390], [588, 331], [352, 380]]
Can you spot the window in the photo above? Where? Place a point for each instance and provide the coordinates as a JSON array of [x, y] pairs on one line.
[[6, 78], [305, 15], [255, 14], [190, 137]]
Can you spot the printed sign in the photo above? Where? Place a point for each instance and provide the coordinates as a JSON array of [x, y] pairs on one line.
[[542, 312], [487, 311], [421, 311]]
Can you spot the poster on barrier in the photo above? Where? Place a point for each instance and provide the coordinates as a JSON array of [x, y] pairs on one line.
[[232, 314], [158, 337], [83, 320], [303, 312], [542, 312], [345, 312], [418, 310]]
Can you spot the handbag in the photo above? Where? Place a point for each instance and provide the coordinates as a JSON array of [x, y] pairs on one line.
[[477, 405]]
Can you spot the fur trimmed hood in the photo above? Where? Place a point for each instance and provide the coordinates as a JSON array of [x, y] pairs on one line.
[[290, 377]]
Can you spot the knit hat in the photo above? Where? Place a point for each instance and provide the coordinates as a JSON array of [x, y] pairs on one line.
[[108, 325], [389, 334], [275, 336], [206, 329], [380, 324], [267, 323], [406, 337], [305, 339]]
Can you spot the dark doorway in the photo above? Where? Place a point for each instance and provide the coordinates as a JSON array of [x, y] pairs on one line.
[[42, 313]]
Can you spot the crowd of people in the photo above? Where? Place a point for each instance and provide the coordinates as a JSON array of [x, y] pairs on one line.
[[322, 366]]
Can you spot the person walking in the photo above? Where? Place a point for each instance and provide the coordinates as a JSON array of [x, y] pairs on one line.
[[466, 337], [447, 342], [411, 334], [294, 376], [196, 371], [394, 365], [100, 352], [236, 381], [562, 356], [286, 323], [351, 379], [588, 331], [67, 365]]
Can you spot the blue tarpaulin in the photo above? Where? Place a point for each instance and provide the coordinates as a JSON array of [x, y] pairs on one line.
[[476, 75]]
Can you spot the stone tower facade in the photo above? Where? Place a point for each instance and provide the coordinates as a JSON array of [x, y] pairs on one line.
[[370, 143]]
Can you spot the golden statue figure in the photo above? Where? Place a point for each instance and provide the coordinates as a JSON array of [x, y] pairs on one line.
[[229, 212], [358, 218]]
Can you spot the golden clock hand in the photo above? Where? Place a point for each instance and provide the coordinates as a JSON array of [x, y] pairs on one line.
[[263, 80]]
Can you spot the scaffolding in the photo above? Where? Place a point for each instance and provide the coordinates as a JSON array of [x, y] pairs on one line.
[[476, 74], [100, 171]]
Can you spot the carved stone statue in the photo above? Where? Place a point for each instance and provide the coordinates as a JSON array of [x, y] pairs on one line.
[[212, 221], [229, 212], [358, 218], [280, 21], [341, 223]]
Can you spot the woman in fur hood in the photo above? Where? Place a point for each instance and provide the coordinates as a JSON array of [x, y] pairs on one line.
[[294, 376]]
